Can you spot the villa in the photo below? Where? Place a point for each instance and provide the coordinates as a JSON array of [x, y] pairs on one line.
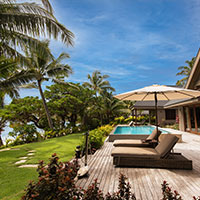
[[189, 109], [165, 116]]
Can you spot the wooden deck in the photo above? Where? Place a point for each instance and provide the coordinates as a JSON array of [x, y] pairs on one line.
[[146, 183]]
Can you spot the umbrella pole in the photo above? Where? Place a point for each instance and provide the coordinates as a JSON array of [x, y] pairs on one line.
[[156, 109]]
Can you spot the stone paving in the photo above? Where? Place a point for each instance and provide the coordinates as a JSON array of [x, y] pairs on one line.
[[24, 159]]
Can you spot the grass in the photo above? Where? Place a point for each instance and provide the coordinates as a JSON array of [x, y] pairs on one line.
[[13, 180]]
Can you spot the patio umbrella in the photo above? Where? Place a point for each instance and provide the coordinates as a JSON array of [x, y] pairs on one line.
[[156, 93]]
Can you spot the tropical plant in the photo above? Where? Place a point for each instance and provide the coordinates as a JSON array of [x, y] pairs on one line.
[[42, 65], [25, 110], [97, 137], [57, 181], [112, 107], [24, 134], [22, 23], [71, 103], [185, 71], [11, 77], [98, 83]]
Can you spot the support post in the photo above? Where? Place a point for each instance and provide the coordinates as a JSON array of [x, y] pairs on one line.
[[86, 147], [156, 109]]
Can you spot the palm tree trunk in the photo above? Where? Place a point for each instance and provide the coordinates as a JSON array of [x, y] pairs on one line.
[[45, 106]]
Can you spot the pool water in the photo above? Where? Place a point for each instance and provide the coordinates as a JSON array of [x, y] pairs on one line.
[[136, 130]]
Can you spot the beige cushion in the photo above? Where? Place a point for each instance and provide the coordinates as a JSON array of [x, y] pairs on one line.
[[135, 152], [154, 135], [130, 143], [131, 123], [166, 145]]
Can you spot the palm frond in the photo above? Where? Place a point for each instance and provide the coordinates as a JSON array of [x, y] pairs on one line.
[[29, 86], [59, 70], [10, 52], [36, 25], [57, 61], [16, 80], [48, 6]]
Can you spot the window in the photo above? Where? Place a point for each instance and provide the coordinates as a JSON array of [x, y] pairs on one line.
[[170, 114]]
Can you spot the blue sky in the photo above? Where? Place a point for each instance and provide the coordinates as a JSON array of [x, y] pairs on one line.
[[136, 42]]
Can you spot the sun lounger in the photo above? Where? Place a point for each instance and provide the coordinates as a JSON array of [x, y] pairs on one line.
[[132, 123], [150, 141], [159, 157]]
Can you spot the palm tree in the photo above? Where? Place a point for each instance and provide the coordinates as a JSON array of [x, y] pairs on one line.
[[112, 107], [43, 66], [23, 23], [11, 77], [98, 83], [185, 71]]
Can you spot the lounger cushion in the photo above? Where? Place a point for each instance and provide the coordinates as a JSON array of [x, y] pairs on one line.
[[154, 135], [135, 152], [166, 145], [130, 143]]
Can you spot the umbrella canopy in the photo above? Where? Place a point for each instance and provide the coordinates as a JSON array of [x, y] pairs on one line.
[[158, 92], [162, 92]]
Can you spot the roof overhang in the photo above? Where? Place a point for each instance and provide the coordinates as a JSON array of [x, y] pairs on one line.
[[184, 103], [194, 73], [147, 108]]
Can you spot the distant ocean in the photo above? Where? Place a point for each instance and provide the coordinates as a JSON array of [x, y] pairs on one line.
[[4, 134]]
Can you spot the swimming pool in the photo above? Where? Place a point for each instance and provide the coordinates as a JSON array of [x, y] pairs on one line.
[[138, 130], [131, 132]]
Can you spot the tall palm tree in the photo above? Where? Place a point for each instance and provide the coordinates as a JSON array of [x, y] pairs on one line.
[[23, 23], [98, 83], [43, 66], [11, 77], [185, 71]]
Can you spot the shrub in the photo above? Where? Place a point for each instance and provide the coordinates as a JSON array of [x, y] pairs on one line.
[[50, 134], [168, 194], [24, 134], [56, 133], [56, 181], [119, 120], [96, 137], [105, 130], [129, 119]]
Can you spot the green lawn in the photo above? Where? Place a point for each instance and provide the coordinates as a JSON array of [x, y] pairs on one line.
[[13, 180]]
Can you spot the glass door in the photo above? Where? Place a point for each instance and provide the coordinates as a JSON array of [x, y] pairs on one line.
[[192, 119], [197, 109]]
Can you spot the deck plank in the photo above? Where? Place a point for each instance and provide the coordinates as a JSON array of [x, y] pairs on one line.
[[146, 183]]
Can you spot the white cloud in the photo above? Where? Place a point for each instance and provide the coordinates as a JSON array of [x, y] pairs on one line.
[[143, 67]]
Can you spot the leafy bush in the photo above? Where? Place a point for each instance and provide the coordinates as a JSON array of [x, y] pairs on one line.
[[50, 134], [118, 120], [173, 126], [122, 120], [56, 133], [96, 137], [168, 193], [105, 130], [129, 119], [56, 181], [24, 134]]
